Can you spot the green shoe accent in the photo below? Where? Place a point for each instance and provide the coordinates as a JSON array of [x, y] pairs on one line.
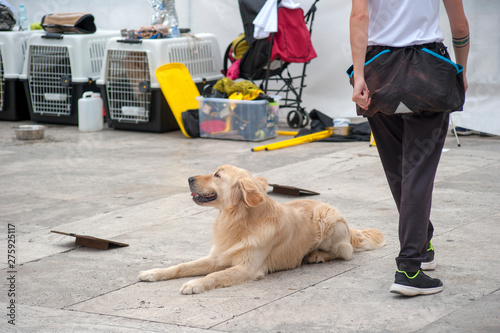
[[428, 263], [409, 277]]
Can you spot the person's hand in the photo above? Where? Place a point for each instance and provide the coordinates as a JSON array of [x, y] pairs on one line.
[[360, 94]]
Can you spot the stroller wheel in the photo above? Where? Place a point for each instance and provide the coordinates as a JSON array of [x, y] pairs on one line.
[[305, 121], [297, 119]]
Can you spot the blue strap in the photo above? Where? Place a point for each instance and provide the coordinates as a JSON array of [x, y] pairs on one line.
[[350, 70], [459, 68]]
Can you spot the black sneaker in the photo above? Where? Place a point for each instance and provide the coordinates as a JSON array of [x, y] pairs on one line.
[[418, 284], [429, 264], [463, 131]]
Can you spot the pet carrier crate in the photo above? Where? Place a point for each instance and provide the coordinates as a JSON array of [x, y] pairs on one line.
[[132, 95], [13, 104], [58, 69]]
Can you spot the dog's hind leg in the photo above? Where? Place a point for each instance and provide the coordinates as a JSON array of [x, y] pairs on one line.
[[335, 237], [340, 251], [198, 267], [318, 256]]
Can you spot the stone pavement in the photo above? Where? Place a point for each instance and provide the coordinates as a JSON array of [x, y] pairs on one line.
[[131, 187]]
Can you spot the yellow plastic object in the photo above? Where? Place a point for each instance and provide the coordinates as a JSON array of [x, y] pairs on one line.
[[246, 97], [296, 141], [36, 26], [179, 90], [237, 95], [372, 140], [291, 133]]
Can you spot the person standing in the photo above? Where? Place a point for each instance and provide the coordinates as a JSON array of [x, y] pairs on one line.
[[406, 85]]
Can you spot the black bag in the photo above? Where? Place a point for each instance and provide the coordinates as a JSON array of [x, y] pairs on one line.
[[191, 122], [82, 23], [253, 64], [249, 9], [7, 20], [417, 78], [320, 122]]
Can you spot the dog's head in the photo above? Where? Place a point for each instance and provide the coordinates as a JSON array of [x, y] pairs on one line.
[[227, 187]]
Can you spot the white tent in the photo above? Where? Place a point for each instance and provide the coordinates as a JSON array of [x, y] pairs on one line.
[[327, 88]]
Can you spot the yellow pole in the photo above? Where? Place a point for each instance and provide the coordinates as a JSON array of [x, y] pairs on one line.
[[296, 141], [287, 133]]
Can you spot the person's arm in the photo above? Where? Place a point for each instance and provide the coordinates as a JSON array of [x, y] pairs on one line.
[[359, 39], [459, 31]]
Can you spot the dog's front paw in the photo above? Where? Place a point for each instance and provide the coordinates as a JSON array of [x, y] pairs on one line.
[[150, 275], [194, 287]]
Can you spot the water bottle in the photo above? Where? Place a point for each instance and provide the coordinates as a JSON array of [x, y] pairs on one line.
[[173, 20], [23, 18], [175, 32]]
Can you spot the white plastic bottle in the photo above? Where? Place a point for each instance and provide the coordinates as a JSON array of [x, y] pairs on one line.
[[90, 117], [22, 18]]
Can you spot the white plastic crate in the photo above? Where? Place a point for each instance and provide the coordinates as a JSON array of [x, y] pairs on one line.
[[58, 68], [128, 73], [13, 46], [13, 49]]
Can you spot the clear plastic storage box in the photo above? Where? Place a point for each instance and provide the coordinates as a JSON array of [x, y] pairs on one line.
[[243, 120]]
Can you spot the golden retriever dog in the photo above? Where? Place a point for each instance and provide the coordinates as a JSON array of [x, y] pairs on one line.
[[254, 235]]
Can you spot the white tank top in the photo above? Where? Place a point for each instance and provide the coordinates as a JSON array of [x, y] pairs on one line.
[[404, 22]]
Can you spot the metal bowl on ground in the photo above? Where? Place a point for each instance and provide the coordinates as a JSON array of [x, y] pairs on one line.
[[29, 132]]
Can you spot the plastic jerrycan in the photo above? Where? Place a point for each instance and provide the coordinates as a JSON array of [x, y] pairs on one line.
[[90, 116]]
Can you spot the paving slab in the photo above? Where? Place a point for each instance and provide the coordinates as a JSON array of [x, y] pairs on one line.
[[163, 302], [482, 315], [46, 320], [132, 187]]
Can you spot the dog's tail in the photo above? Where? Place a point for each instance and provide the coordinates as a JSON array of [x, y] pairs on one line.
[[368, 239]]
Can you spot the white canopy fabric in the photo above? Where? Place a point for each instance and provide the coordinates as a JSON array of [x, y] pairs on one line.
[[328, 88]]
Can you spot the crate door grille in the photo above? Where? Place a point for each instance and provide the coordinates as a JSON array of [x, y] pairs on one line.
[[198, 58], [50, 80], [97, 49], [2, 83], [127, 86]]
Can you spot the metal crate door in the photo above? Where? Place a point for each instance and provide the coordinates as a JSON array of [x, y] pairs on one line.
[[50, 80], [2, 83], [128, 86]]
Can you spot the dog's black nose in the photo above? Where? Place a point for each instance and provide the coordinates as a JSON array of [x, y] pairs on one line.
[[190, 180]]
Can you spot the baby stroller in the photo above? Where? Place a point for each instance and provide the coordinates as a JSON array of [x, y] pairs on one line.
[[266, 61]]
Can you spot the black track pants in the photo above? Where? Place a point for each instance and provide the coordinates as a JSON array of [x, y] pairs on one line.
[[410, 147]]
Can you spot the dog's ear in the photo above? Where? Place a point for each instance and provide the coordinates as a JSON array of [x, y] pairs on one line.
[[252, 191], [262, 181]]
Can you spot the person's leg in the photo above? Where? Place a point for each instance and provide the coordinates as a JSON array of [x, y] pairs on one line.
[[409, 148], [388, 132], [424, 137]]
